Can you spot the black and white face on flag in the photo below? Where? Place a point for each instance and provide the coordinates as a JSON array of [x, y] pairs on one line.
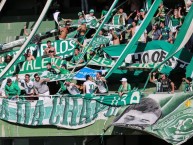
[[139, 115]]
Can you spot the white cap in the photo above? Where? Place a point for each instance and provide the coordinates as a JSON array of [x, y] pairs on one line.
[[123, 80]]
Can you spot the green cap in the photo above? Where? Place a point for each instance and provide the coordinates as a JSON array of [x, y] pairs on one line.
[[91, 11], [142, 10], [80, 13]]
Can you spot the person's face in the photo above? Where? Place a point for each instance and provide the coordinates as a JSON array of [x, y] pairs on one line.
[[49, 44], [90, 78], [123, 82], [29, 53], [120, 10], [133, 24], [67, 26], [142, 13], [154, 27], [8, 57], [92, 14], [161, 25], [48, 66], [101, 33], [63, 67], [162, 76], [175, 12], [27, 78], [91, 52], [137, 117], [98, 75], [9, 84], [80, 16], [67, 83], [76, 51], [37, 78]]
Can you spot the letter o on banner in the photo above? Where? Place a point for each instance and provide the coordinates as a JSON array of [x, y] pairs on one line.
[[155, 57], [145, 58]]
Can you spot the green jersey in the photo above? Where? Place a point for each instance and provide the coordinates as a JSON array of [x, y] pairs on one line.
[[104, 12], [175, 21], [162, 12], [124, 89], [165, 33], [12, 90], [76, 58]]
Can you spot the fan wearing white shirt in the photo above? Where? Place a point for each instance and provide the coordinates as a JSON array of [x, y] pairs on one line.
[[89, 17], [101, 83], [72, 88], [27, 84], [89, 86]]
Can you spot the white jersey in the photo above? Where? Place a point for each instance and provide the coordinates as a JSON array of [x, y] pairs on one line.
[[101, 85], [89, 18], [28, 86], [90, 86], [72, 89]]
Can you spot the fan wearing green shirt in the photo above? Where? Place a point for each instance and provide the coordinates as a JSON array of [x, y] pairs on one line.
[[12, 90], [124, 87], [104, 11], [165, 33], [176, 19], [76, 57], [161, 13], [62, 69]]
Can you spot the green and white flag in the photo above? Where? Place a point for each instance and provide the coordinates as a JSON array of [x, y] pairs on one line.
[[100, 40], [37, 65], [71, 112], [104, 62], [166, 116], [64, 48], [150, 55]]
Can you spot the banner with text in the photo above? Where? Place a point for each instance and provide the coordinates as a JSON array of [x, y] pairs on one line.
[[72, 112], [64, 48]]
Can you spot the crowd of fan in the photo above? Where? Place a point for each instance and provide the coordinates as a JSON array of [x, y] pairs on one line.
[[39, 89], [165, 25]]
